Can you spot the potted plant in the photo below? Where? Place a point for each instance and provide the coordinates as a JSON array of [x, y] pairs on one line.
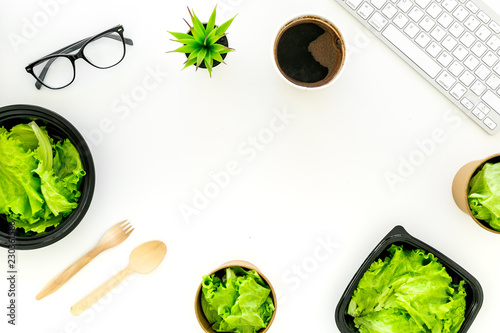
[[205, 44]]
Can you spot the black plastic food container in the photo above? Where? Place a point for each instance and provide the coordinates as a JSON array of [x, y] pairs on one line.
[[399, 236], [58, 128]]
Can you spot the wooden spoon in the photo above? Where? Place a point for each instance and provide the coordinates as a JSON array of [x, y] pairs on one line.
[[114, 236], [143, 259]]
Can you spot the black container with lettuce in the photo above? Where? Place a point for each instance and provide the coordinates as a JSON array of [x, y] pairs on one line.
[[399, 273], [47, 177]]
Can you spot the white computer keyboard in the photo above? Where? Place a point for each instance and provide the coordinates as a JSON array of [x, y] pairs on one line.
[[454, 44]]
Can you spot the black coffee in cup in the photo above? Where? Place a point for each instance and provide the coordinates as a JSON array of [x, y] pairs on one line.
[[309, 51]]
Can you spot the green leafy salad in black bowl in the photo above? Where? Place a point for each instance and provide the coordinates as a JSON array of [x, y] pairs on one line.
[[406, 286], [47, 177]]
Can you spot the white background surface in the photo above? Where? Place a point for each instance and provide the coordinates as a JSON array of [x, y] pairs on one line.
[[322, 179]]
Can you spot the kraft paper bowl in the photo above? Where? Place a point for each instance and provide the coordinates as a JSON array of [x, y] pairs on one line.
[[460, 187], [202, 320]]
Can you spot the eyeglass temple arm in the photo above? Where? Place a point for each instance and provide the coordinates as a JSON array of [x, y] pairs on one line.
[[71, 48]]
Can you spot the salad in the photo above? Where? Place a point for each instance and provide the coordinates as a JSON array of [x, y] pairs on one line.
[[484, 195], [240, 301], [39, 178], [409, 291]]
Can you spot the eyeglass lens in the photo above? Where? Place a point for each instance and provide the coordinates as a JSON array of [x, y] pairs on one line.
[[105, 50], [59, 72]]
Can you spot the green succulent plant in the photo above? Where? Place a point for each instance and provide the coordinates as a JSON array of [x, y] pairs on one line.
[[201, 43]]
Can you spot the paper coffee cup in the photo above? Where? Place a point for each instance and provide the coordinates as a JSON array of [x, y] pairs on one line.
[[309, 52]]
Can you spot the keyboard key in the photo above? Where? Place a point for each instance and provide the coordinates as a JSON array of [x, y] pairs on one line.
[[427, 64], [456, 68], [438, 33], [483, 108], [460, 52], [446, 80], [472, 7], [482, 72], [405, 5], [467, 78], [434, 49], [365, 10], [492, 100], [445, 59], [479, 49], [445, 20], [483, 17], [423, 40], [490, 59], [461, 13], [449, 43], [456, 30], [468, 104], [471, 62], [495, 27], [493, 43], [427, 23], [490, 123], [493, 82], [497, 69], [353, 3], [416, 14], [434, 10], [378, 3], [378, 21], [472, 23], [400, 20], [468, 39], [478, 88], [412, 30], [483, 33], [423, 3], [389, 11], [480, 115], [449, 5], [458, 91]]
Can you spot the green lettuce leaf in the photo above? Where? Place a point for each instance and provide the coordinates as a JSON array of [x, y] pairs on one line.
[[39, 180], [240, 302], [68, 167], [41, 225], [25, 135], [484, 195], [410, 292], [19, 188]]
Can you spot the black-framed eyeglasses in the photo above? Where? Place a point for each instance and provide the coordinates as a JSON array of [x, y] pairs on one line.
[[57, 70]]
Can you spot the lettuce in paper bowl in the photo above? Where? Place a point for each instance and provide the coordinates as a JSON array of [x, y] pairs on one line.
[[236, 297], [476, 191], [484, 195]]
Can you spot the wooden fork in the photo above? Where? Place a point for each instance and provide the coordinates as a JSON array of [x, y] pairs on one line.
[[113, 237]]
